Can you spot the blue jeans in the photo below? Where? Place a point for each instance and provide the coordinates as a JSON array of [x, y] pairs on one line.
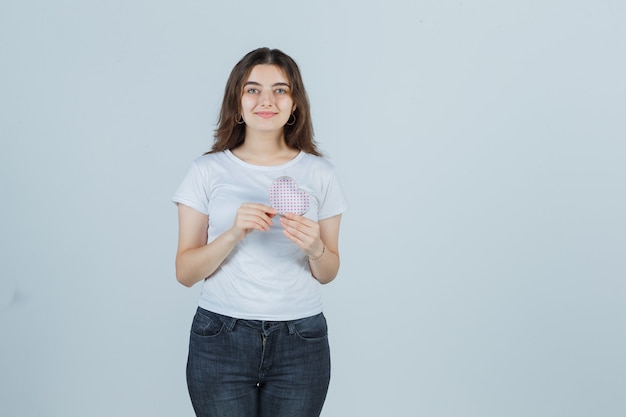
[[252, 368]]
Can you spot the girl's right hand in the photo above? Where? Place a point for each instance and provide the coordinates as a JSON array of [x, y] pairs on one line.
[[252, 216]]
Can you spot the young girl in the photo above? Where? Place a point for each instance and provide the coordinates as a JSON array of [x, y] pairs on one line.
[[259, 223]]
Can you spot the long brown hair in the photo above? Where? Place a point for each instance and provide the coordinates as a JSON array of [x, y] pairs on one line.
[[229, 134]]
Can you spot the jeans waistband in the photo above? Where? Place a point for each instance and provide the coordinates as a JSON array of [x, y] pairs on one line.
[[261, 325]]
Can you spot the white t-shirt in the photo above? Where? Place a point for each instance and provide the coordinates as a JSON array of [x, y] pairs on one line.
[[266, 276]]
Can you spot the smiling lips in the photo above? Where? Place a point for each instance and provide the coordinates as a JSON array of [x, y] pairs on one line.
[[266, 114]]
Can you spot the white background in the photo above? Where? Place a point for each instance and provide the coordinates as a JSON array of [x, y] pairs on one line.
[[482, 146]]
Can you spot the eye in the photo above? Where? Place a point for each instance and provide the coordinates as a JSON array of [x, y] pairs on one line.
[[252, 91], [281, 91]]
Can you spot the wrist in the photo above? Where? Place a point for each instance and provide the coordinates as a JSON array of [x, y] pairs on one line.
[[233, 236], [315, 258]]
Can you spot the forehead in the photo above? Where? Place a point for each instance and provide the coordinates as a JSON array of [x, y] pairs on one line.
[[267, 74]]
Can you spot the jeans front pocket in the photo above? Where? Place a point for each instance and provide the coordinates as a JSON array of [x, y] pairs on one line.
[[206, 324], [312, 328]]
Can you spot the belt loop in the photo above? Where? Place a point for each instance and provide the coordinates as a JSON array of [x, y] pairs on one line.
[[292, 327], [230, 324]]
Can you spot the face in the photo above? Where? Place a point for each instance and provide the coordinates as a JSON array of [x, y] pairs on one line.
[[266, 101]]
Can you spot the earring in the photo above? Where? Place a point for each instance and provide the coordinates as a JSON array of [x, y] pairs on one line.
[[239, 119], [294, 120]]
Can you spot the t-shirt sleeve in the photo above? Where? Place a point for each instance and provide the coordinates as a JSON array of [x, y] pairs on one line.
[[193, 192], [334, 200]]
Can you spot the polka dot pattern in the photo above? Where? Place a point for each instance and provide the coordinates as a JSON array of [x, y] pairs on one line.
[[286, 197]]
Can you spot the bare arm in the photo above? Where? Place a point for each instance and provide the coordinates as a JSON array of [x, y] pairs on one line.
[[197, 260], [319, 240]]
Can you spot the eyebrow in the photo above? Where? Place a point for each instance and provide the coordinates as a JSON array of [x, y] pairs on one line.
[[273, 85]]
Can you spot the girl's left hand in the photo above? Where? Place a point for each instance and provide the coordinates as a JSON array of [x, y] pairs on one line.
[[303, 232]]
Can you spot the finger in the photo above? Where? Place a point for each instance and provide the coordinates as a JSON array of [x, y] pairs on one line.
[[257, 212], [297, 219], [255, 223], [302, 235], [271, 211], [301, 224], [253, 219], [307, 244], [292, 219], [293, 216], [294, 238]]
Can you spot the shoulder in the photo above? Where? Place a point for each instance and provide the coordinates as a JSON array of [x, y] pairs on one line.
[[210, 158], [317, 162], [210, 161]]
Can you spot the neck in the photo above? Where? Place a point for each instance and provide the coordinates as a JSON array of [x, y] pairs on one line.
[[264, 149]]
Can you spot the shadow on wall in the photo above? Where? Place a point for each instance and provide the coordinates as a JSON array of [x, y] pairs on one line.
[[11, 297]]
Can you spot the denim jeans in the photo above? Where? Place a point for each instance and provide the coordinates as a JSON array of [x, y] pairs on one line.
[[253, 368]]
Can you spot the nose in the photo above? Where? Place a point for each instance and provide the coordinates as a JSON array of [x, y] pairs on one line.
[[267, 98]]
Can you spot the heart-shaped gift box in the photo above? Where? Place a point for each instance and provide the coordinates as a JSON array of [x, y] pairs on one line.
[[286, 197]]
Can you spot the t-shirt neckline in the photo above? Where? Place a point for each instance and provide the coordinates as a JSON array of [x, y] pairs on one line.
[[241, 162]]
